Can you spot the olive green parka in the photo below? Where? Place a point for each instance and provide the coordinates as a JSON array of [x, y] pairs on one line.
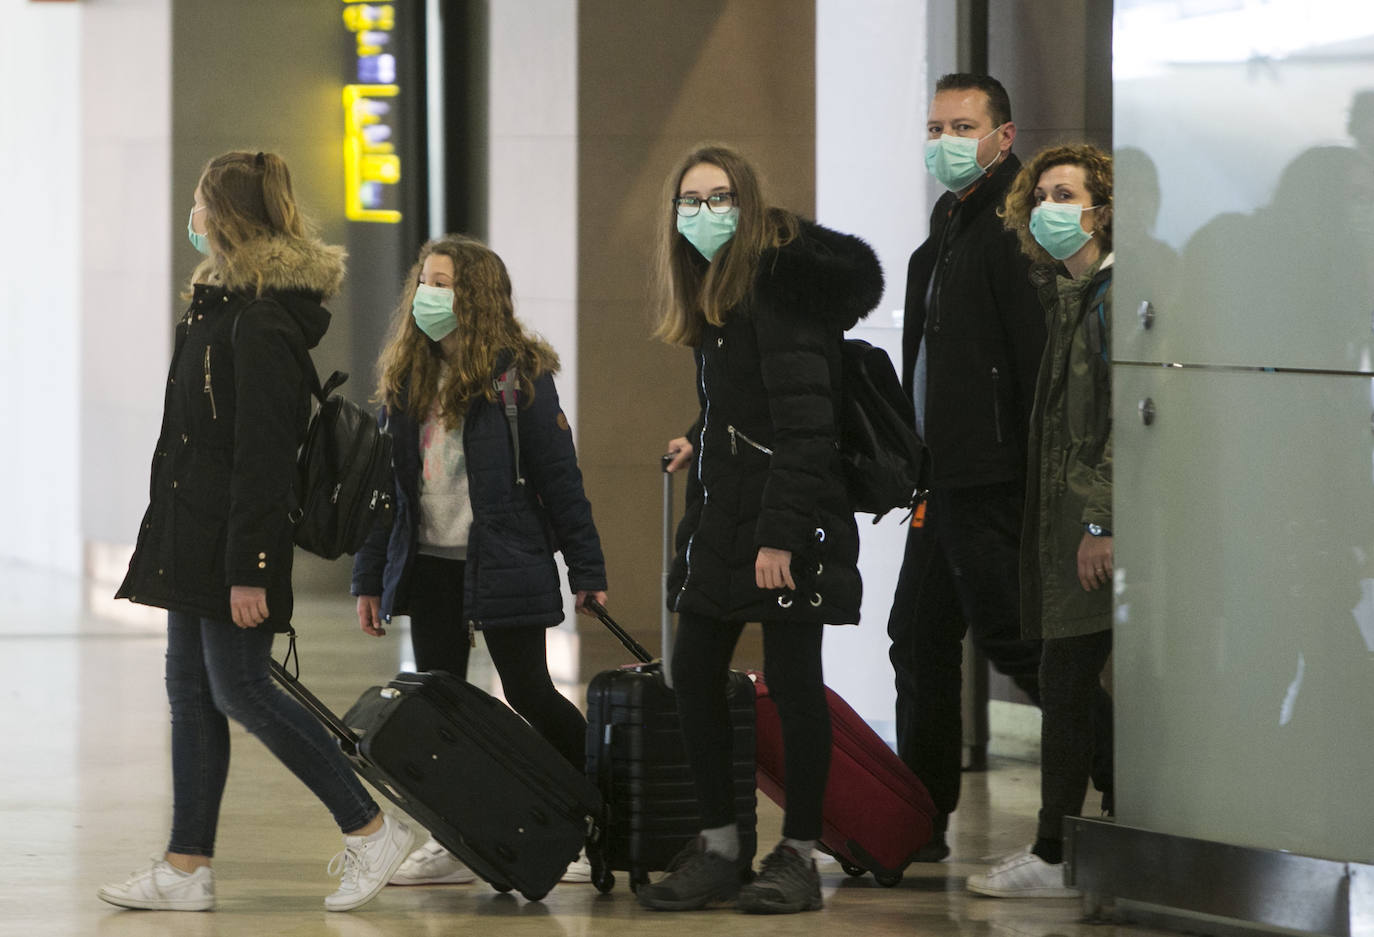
[[1069, 477]]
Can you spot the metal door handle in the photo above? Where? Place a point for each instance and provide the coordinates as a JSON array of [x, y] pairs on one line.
[[1146, 314], [1147, 411]]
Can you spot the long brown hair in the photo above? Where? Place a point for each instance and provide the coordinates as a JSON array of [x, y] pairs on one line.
[[247, 197], [1020, 201], [489, 336], [688, 296]]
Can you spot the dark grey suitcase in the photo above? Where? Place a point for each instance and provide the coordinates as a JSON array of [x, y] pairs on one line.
[[471, 771]]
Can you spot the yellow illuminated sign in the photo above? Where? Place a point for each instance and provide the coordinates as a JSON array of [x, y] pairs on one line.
[[370, 160], [371, 164]]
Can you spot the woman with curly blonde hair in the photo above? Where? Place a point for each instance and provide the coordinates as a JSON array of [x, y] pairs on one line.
[[1060, 206], [485, 493]]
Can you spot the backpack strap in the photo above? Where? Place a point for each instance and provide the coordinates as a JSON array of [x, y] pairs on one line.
[[507, 390], [1097, 323]]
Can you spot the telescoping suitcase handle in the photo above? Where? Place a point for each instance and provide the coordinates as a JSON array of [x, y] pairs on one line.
[[634, 647], [291, 683]]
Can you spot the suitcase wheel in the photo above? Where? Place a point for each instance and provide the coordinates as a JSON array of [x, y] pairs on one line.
[[502, 887], [533, 895], [887, 879], [604, 882], [853, 870]]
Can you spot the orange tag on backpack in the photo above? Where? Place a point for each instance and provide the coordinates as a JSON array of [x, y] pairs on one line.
[[918, 516]]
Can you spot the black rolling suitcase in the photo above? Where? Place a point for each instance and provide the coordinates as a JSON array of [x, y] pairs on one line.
[[469, 770], [636, 757]]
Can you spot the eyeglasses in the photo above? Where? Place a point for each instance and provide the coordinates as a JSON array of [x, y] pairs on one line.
[[718, 203]]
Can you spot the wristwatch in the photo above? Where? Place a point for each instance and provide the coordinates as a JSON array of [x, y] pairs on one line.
[[1097, 530]]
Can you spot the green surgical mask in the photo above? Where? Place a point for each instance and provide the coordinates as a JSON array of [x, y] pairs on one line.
[[953, 161], [1058, 228], [707, 231], [199, 241], [433, 311]]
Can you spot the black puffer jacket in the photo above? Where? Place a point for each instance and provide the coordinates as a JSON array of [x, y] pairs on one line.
[[510, 578], [235, 412], [766, 469]]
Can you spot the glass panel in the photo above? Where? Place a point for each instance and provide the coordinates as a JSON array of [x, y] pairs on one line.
[[1244, 665], [1245, 181]]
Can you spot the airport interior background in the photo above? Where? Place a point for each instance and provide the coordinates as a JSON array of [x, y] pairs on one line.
[[1243, 390]]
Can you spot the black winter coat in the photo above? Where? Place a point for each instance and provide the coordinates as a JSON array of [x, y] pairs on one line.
[[766, 470], [235, 412], [968, 290], [510, 578]]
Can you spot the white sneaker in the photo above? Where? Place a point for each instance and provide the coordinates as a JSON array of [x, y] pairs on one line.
[[1023, 875], [368, 862], [160, 887], [432, 864], [579, 870]]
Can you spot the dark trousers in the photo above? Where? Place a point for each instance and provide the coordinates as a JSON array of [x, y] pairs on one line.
[[960, 571], [792, 664], [1076, 731], [215, 672], [439, 634]]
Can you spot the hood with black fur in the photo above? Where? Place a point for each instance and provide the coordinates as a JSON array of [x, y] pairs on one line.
[[278, 263], [822, 270]]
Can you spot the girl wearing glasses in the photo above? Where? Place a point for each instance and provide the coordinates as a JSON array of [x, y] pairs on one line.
[[762, 298]]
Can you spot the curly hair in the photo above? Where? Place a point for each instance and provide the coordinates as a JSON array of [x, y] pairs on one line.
[[1097, 170], [489, 336]]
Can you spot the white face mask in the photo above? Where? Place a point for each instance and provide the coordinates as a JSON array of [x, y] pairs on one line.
[[953, 161]]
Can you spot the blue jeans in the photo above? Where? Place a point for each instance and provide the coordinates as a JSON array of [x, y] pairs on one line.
[[215, 672]]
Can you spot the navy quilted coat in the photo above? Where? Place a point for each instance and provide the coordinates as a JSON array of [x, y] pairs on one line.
[[510, 577]]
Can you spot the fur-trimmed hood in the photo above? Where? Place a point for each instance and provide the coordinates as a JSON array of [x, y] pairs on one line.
[[277, 263], [822, 272]]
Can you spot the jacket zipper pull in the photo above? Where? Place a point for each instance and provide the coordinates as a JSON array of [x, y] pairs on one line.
[[210, 391], [734, 450], [472, 633]]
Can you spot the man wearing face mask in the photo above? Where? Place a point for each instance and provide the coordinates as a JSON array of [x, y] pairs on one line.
[[971, 345]]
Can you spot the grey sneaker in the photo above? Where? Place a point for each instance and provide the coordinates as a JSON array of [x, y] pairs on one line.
[[700, 880], [787, 883]]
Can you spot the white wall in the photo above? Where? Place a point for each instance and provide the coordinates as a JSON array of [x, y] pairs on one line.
[[41, 255], [127, 223], [532, 194], [870, 180]]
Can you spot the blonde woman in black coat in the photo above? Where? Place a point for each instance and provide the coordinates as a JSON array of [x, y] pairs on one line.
[[215, 545], [763, 298]]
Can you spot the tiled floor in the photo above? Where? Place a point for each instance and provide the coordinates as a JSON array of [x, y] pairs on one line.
[[85, 798]]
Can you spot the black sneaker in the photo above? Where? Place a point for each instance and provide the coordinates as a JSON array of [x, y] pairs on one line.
[[786, 883], [700, 880]]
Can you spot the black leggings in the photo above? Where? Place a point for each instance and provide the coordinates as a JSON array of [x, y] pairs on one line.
[[439, 634], [1075, 734], [792, 663]]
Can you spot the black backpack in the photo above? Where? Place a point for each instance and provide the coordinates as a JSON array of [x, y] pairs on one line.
[[343, 474], [881, 454]]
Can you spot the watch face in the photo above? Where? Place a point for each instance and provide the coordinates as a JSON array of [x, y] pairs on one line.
[[1095, 530]]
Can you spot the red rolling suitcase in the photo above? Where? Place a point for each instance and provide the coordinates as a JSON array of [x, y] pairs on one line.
[[471, 771], [877, 813]]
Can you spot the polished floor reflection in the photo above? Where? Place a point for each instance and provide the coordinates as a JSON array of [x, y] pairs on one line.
[[86, 799]]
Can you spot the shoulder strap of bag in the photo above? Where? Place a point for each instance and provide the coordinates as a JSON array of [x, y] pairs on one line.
[[1097, 325], [506, 389]]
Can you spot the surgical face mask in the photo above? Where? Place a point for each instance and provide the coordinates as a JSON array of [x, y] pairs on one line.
[[708, 231], [953, 161], [433, 311], [1058, 228], [200, 242]]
